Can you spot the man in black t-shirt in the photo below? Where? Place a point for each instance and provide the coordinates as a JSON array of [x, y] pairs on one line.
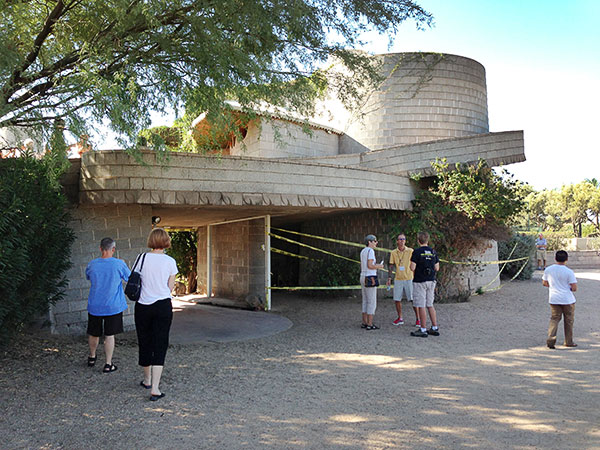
[[425, 263]]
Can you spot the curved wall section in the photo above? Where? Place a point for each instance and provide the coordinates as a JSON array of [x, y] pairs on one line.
[[196, 180], [426, 96]]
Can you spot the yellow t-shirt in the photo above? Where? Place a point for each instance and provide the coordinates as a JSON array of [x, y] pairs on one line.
[[402, 261]]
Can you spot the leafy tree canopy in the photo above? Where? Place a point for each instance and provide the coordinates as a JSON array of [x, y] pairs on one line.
[[571, 207], [461, 207], [115, 61]]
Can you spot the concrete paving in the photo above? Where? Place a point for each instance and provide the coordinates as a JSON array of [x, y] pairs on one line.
[[206, 323]]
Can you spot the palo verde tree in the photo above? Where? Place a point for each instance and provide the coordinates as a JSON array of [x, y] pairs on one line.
[[88, 61]]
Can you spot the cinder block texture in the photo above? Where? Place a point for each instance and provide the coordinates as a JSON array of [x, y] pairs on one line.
[[128, 226], [496, 149], [268, 138], [238, 259], [425, 97], [201, 251], [198, 180], [353, 227]]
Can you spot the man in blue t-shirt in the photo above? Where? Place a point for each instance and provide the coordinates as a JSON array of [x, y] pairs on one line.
[[540, 251], [106, 302], [424, 262]]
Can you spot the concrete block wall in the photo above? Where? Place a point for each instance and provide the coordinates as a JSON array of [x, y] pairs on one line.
[[238, 259], [251, 145], [282, 139], [202, 264], [129, 226], [579, 244], [485, 275], [354, 227], [256, 248], [425, 97], [114, 177], [582, 259], [351, 227], [496, 148], [501, 148]]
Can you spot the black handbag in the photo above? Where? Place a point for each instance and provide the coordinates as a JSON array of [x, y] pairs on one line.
[[133, 288], [371, 281]]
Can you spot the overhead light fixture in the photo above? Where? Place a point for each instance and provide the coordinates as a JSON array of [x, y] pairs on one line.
[[155, 220]]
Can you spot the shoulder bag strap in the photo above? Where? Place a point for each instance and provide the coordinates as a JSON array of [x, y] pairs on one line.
[[143, 258], [136, 261]]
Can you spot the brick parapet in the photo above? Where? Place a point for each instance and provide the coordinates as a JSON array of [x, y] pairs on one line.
[[192, 179], [495, 148]]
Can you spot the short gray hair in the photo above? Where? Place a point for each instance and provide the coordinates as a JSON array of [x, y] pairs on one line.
[[369, 238], [106, 244]]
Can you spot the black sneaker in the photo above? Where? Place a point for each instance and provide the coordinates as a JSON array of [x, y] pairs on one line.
[[372, 327], [419, 333], [433, 332]]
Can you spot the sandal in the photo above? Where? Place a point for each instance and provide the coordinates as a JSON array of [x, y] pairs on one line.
[[372, 327], [92, 361], [145, 386], [154, 397], [109, 368]]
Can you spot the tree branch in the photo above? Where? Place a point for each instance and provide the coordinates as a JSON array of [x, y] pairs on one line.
[[15, 79]]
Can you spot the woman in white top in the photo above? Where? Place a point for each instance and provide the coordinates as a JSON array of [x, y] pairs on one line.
[[153, 311], [369, 294]]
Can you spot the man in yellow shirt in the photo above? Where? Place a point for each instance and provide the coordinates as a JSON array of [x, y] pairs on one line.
[[400, 263]]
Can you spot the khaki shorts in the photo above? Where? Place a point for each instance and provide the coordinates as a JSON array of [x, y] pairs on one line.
[[403, 287], [369, 297], [540, 254], [423, 294]]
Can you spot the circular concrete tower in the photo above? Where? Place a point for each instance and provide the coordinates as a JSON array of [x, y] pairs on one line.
[[425, 97]]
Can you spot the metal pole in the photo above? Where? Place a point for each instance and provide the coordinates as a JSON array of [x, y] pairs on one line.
[[208, 262], [267, 263]]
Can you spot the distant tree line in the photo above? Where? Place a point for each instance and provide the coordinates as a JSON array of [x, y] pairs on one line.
[[574, 209]]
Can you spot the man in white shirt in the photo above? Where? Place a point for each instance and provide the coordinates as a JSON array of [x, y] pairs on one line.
[[562, 283]]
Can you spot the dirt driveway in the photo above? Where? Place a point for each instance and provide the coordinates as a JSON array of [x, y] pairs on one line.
[[487, 382]]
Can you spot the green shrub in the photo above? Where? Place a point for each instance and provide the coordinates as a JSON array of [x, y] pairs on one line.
[[461, 207], [35, 241], [525, 247], [184, 251], [331, 271], [557, 240]]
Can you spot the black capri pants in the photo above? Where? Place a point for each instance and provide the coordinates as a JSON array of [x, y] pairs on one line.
[[153, 323]]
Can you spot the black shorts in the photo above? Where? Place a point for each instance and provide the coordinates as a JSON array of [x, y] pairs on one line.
[[112, 325]]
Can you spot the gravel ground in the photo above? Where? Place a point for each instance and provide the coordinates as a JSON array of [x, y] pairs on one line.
[[487, 382]]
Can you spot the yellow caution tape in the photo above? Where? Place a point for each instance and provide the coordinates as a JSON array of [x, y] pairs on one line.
[[283, 252], [354, 244], [276, 236], [466, 263], [317, 288], [499, 270], [512, 279], [337, 241]]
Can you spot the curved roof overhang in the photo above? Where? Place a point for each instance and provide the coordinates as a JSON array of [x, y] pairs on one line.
[[232, 186]]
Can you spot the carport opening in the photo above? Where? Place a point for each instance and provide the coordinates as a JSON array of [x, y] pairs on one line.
[[229, 259]]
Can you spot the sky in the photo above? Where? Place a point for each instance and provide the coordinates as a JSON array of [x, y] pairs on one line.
[[542, 61]]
